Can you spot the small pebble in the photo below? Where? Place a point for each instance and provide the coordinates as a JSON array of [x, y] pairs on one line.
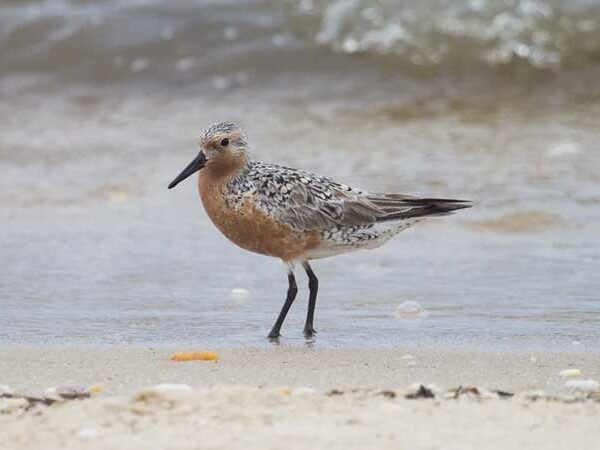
[[568, 373], [583, 385]]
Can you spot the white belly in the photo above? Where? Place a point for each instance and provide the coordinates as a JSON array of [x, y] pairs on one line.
[[345, 241]]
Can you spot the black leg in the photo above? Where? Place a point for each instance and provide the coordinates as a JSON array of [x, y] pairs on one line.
[[313, 285], [291, 295]]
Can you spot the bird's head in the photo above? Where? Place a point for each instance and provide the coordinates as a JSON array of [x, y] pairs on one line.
[[222, 151]]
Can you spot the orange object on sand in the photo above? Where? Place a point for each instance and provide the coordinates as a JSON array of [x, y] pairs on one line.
[[96, 388], [195, 356]]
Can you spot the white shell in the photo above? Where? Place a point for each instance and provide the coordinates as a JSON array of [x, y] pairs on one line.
[[411, 310], [568, 373], [583, 385]]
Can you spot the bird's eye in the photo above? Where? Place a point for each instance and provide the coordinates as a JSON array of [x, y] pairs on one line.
[[224, 142]]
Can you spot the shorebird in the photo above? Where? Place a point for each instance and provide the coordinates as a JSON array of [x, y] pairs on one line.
[[295, 215]]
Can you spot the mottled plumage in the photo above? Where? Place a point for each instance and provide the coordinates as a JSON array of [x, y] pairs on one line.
[[346, 218], [294, 214]]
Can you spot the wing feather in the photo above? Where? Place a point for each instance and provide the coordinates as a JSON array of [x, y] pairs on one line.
[[314, 203]]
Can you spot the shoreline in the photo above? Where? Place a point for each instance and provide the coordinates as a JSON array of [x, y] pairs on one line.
[[255, 398], [121, 370]]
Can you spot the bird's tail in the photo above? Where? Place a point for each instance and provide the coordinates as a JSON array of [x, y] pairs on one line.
[[401, 207]]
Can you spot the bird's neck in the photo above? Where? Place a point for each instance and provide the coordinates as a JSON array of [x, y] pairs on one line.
[[218, 173], [225, 167]]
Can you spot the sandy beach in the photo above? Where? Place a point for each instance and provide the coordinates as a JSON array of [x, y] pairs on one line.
[[476, 331], [299, 398]]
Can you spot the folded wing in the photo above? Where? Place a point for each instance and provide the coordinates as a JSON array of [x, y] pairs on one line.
[[313, 203]]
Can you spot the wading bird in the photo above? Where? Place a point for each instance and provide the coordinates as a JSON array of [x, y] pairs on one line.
[[293, 214]]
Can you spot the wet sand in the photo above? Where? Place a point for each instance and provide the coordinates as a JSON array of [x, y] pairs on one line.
[[261, 398]]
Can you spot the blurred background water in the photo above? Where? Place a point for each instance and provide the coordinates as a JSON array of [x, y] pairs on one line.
[[102, 102]]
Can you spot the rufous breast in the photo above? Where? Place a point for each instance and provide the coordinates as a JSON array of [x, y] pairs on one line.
[[251, 228]]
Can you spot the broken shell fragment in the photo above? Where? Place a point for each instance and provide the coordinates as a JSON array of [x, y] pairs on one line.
[[422, 392], [96, 389]]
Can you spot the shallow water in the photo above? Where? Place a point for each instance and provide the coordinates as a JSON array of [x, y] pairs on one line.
[[101, 105]]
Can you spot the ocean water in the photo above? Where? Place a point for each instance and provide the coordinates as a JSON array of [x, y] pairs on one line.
[[102, 103]]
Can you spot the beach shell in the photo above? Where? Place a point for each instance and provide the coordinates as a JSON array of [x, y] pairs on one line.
[[303, 392], [11, 405], [195, 356], [411, 310], [239, 295], [172, 388], [535, 394], [88, 433], [418, 390], [503, 394], [568, 373], [96, 389], [6, 391], [67, 393], [583, 385], [469, 391]]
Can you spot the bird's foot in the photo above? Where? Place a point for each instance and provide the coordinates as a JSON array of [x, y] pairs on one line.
[[274, 336], [309, 332]]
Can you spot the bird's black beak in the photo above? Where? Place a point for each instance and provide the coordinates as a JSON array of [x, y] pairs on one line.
[[198, 163]]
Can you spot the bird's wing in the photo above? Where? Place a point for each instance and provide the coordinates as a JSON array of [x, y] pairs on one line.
[[402, 207], [308, 201], [327, 205], [311, 202]]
